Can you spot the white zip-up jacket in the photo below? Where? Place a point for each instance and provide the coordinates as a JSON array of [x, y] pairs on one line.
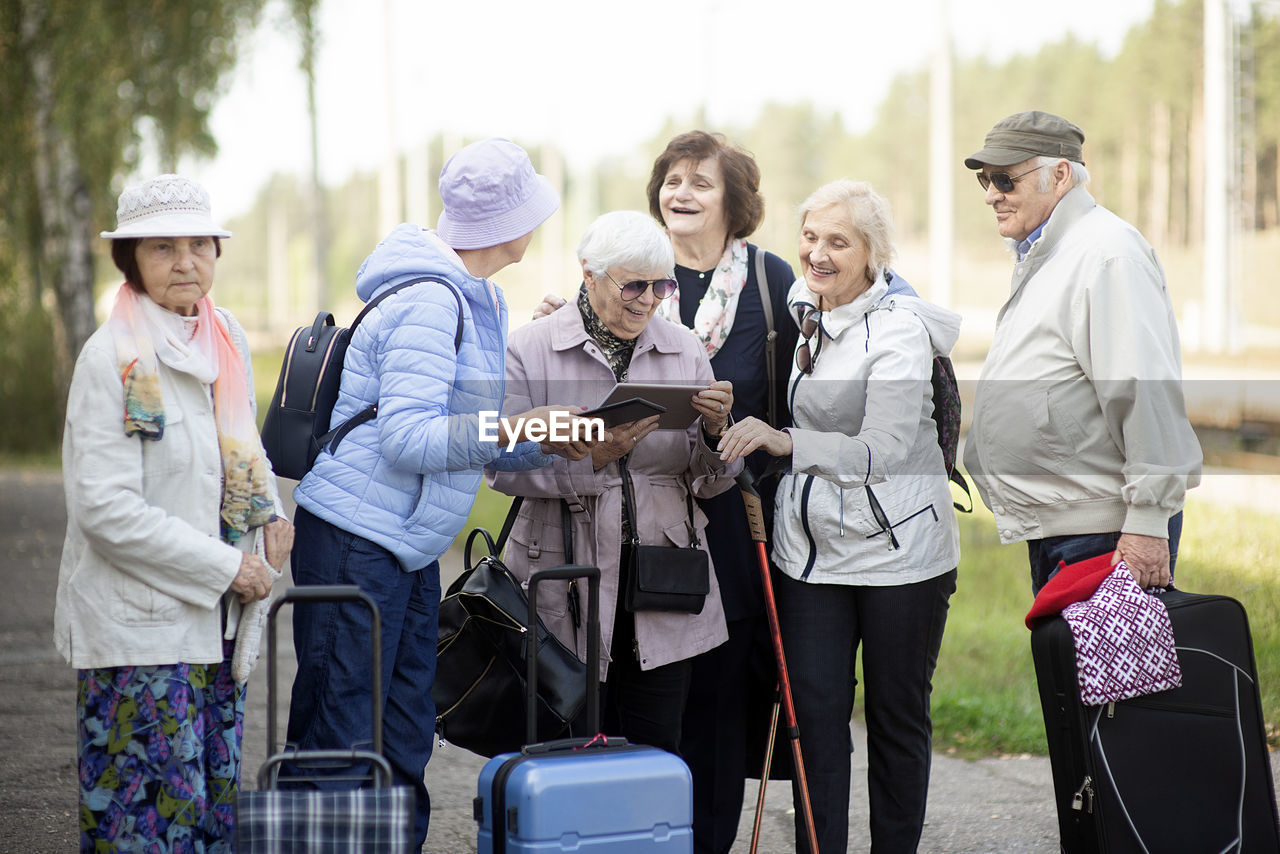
[[867, 499], [1079, 422], [144, 569]]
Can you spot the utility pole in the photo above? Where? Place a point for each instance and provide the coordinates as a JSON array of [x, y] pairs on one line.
[[1218, 175], [389, 212], [941, 185]]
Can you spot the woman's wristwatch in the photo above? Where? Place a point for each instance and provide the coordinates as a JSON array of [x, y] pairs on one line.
[[710, 437]]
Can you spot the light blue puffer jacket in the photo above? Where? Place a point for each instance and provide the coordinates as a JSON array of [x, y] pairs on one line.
[[407, 479]]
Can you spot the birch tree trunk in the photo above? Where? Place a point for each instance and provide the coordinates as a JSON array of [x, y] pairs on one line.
[[65, 209]]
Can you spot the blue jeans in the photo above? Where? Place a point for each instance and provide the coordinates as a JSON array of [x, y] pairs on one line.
[[1045, 555], [330, 705], [900, 631]]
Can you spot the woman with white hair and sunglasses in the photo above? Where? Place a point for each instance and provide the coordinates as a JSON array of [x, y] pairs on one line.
[[637, 488], [173, 539], [864, 531]]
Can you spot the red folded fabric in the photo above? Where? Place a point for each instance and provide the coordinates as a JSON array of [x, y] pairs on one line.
[[1072, 583]]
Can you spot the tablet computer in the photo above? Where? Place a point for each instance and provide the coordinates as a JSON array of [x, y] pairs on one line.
[[624, 411], [676, 401]]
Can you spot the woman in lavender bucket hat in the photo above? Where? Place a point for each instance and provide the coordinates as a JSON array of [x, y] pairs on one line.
[[381, 510]]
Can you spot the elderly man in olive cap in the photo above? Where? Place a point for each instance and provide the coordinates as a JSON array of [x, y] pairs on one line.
[[1080, 443]]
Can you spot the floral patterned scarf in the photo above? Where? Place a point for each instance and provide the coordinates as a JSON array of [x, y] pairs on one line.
[[145, 335], [617, 351], [719, 306]]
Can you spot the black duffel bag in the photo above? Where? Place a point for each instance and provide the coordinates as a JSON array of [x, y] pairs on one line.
[[480, 682]]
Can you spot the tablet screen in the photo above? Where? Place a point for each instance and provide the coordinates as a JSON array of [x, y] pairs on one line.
[[676, 399]]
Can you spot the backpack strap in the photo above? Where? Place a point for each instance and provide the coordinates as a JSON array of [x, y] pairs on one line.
[[959, 480], [770, 339], [334, 437]]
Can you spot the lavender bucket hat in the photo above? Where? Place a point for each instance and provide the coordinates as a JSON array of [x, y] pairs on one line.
[[492, 195]]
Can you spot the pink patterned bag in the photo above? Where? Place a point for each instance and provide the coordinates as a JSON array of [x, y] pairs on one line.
[[1124, 641]]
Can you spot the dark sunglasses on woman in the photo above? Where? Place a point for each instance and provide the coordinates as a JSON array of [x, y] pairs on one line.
[[810, 323], [662, 288]]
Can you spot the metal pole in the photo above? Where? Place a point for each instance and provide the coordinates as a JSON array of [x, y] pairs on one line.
[[941, 168], [1217, 178]]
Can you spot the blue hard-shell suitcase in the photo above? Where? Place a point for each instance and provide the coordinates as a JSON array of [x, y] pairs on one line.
[[590, 795]]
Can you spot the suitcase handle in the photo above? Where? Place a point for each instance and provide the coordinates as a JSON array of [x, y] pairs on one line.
[[327, 593], [560, 745], [592, 574], [381, 768]]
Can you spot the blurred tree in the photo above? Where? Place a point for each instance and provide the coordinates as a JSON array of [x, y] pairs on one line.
[[1265, 32], [304, 18], [82, 85]]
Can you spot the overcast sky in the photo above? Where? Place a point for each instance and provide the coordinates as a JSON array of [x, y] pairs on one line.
[[596, 77]]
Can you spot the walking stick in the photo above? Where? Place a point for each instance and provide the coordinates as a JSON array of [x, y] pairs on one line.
[[755, 520]]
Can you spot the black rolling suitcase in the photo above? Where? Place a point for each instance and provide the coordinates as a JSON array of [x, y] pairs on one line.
[[1180, 771]]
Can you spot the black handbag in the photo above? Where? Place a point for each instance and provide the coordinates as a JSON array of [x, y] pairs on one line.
[[480, 681], [665, 578]]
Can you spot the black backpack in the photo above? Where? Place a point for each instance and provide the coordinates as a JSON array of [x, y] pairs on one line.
[[946, 416], [296, 427]]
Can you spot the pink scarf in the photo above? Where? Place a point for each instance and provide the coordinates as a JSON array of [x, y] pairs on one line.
[[145, 335], [719, 305]]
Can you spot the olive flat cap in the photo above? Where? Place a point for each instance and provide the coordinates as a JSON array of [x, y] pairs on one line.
[[1025, 135]]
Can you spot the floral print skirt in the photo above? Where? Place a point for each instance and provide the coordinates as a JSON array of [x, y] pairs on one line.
[[159, 757]]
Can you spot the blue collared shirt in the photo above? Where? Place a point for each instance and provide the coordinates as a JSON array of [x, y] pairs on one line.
[[1024, 246]]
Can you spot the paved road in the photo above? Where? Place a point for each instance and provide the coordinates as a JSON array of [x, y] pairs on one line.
[[990, 805]]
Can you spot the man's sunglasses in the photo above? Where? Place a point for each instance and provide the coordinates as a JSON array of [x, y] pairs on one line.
[[809, 325], [1003, 180], [662, 288]]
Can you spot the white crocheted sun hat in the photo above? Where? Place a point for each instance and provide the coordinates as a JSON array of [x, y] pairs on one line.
[[165, 206]]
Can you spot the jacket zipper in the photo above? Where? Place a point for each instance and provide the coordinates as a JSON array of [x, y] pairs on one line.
[[808, 532], [882, 519]]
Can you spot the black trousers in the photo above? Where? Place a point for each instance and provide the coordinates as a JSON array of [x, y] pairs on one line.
[[899, 629], [645, 706], [720, 742]]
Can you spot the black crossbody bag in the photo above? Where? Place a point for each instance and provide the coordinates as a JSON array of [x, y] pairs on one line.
[[664, 578]]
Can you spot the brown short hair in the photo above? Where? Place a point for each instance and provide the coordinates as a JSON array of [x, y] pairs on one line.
[[743, 204], [124, 253]]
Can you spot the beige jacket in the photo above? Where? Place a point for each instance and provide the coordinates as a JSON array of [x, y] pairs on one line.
[[1079, 423], [143, 567]]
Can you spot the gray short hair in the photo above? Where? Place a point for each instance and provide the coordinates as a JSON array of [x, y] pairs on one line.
[[628, 239], [869, 213], [1079, 174]]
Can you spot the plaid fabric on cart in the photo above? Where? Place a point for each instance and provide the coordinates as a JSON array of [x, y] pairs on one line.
[[291, 821]]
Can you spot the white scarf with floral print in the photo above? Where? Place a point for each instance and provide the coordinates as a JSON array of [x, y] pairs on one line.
[[720, 304]]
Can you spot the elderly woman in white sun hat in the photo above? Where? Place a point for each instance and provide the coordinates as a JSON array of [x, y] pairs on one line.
[[172, 529]]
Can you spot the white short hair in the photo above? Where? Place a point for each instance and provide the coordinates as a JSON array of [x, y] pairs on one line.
[[1079, 174], [627, 239], [868, 212]]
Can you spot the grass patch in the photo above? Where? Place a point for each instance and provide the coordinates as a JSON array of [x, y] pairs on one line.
[[488, 512], [984, 689], [984, 696]]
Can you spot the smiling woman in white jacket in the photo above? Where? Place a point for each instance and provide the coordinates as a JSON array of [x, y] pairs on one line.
[[865, 535]]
